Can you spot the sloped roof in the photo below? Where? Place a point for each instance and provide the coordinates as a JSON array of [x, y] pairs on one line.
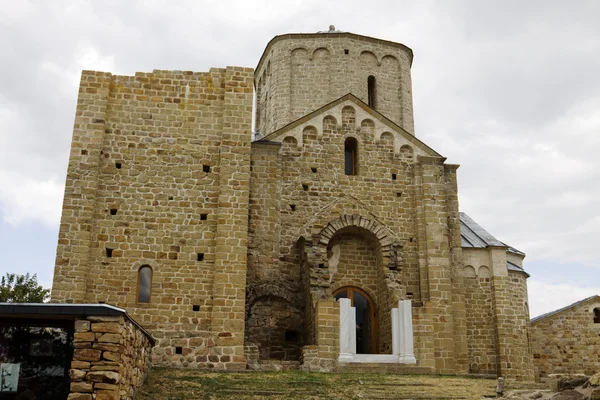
[[473, 235], [374, 113], [552, 313]]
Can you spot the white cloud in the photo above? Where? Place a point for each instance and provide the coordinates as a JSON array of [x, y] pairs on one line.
[[27, 200], [545, 297]]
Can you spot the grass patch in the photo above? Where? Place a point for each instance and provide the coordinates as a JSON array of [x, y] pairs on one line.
[[180, 384]]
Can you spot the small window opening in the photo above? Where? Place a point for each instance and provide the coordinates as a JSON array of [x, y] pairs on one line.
[[321, 265], [203, 217], [118, 165], [206, 168], [291, 336], [109, 252], [113, 211], [411, 240], [393, 177], [101, 302], [351, 156], [84, 152], [399, 194], [200, 256], [144, 284], [170, 197], [597, 315], [372, 90], [346, 51], [196, 307], [409, 295], [313, 169], [305, 187], [178, 350], [293, 207]]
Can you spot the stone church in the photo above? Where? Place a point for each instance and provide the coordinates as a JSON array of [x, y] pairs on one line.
[[329, 238]]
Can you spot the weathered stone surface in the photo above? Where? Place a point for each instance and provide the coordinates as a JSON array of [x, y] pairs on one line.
[[560, 382], [82, 326], [103, 376], [163, 178], [79, 396], [110, 338], [595, 394], [84, 336], [80, 364], [107, 355], [86, 355], [567, 342], [107, 395], [106, 327], [82, 387], [568, 395], [77, 374]]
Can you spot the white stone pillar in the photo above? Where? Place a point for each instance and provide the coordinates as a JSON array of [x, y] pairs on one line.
[[396, 345], [407, 330], [347, 330]]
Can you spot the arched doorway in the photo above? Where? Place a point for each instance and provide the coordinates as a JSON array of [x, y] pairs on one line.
[[366, 318]]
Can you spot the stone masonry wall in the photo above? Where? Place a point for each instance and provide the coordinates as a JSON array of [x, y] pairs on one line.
[[111, 359], [159, 176], [304, 181], [481, 331], [567, 342], [300, 73]]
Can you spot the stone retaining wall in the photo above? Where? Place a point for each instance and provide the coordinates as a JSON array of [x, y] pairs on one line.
[[110, 360]]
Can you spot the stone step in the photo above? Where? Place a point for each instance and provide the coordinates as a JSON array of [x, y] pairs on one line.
[[384, 368]]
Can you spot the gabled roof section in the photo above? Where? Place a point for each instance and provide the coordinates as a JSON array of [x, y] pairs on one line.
[[555, 312], [358, 102], [473, 235]]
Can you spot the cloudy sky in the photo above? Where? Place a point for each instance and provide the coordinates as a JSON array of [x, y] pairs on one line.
[[508, 89]]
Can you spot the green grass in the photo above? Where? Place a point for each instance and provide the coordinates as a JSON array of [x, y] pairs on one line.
[[180, 384]]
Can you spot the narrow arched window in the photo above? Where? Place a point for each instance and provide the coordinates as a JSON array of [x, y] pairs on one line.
[[597, 315], [372, 90], [351, 157], [144, 284]]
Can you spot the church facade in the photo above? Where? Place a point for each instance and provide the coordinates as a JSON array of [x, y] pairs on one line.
[[330, 238]]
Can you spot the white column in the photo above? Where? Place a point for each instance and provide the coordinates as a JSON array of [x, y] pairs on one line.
[[347, 330], [408, 342], [396, 347]]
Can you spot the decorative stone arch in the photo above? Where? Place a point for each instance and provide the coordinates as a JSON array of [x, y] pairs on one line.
[[364, 54], [306, 129], [292, 141], [320, 50], [388, 243], [391, 58], [484, 272], [367, 128], [268, 289], [338, 285]]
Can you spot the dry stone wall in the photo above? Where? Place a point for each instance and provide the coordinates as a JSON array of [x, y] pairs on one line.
[[110, 360], [159, 176]]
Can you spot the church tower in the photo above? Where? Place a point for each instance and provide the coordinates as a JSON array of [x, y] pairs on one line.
[[298, 73]]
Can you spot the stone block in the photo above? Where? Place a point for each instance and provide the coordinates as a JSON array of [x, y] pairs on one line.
[[79, 396], [82, 387], [103, 376], [86, 355], [107, 395], [106, 327]]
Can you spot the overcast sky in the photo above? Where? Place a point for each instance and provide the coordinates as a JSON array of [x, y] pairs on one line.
[[508, 89]]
